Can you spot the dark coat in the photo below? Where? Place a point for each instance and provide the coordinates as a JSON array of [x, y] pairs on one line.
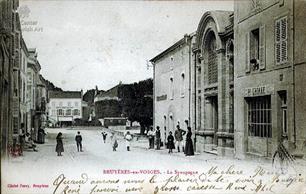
[[189, 146], [59, 145], [78, 138], [179, 134], [157, 134], [170, 143]]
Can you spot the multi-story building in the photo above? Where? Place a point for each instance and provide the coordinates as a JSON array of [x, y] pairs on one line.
[[214, 83], [10, 34], [34, 94], [23, 85], [173, 86], [107, 103], [41, 103], [270, 77], [65, 107]]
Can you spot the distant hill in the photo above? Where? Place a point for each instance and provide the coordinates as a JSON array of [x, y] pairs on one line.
[[50, 86]]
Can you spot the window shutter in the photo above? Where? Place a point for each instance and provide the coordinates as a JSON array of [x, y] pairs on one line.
[[247, 53], [262, 48], [284, 37], [277, 42]]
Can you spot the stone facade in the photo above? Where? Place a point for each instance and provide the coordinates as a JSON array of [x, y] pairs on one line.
[[214, 83], [9, 66], [173, 87], [23, 85], [269, 77], [33, 95]]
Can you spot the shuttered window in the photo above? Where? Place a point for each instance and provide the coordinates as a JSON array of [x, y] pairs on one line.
[[212, 62], [281, 40]]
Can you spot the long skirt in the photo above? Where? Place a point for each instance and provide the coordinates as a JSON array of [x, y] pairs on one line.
[[189, 148]]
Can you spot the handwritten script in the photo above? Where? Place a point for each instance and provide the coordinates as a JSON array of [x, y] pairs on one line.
[[228, 179]]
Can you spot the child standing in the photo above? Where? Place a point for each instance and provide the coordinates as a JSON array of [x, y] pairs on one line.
[[114, 141], [104, 136], [170, 144], [128, 138]]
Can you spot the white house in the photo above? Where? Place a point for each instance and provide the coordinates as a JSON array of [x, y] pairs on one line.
[[65, 106]]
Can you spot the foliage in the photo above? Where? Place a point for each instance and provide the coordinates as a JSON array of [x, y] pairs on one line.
[[137, 103]]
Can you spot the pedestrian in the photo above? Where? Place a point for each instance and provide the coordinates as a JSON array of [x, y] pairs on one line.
[[30, 143], [22, 136], [114, 141], [104, 136], [170, 143], [78, 139], [157, 136], [128, 138], [41, 135], [189, 145], [150, 135], [178, 134], [59, 144]]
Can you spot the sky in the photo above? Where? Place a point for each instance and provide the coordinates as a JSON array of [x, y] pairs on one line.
[[86, 43]]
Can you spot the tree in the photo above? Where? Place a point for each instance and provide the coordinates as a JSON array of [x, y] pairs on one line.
[[137, 103]]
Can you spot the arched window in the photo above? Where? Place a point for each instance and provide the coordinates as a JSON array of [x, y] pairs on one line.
[[182, 86], [212, 62], [171, 89], [230, 58]]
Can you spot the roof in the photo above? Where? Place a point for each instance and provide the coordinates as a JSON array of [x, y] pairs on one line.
[[65, 94], [173, 47], [113, 92], [221, 18]]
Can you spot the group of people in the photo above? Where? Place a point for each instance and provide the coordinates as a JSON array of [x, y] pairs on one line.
[[26, 141], [60, 145], [78, 138], [128, 138], [176, 141]]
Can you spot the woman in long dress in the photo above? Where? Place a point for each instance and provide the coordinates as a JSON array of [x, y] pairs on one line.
[[59, 144], [189, 145]]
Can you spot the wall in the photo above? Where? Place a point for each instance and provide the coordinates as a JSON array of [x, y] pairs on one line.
[[276, 77], [57, 103], [300, 72], [178, 107]]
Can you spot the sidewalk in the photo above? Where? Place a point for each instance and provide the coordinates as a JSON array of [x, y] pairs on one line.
[[143, 143]]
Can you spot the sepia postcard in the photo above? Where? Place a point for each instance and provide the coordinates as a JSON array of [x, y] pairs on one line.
[[153, 96]]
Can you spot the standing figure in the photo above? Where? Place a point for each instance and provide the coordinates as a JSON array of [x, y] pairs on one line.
[[170, 142], [179, 137], [114, 141], [157, 135], [78, 139], [104, 136], [151, 134], [189, 145], [128, 138], [59, 144], [22, 138]]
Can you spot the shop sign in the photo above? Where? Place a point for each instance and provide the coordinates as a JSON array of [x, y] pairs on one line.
[[259, 91], [162, 97]]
